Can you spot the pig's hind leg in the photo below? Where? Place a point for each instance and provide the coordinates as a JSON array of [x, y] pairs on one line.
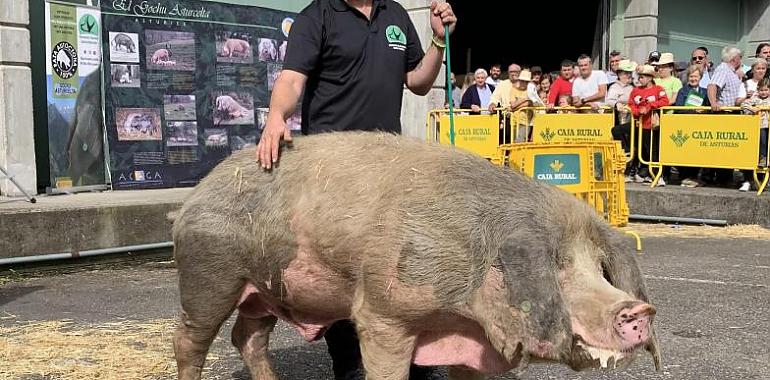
[[208, 291], [251, 336]]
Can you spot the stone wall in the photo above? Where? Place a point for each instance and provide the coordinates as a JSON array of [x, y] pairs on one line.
[[17, 149]]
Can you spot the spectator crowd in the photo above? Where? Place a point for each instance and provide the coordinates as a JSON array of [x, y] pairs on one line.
[[633, 90]]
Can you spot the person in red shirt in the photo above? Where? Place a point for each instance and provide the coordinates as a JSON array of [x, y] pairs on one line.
[[642, 101], [562, 85]]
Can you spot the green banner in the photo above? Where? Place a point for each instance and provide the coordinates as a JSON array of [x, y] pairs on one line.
[[64, 50], [558, 169]]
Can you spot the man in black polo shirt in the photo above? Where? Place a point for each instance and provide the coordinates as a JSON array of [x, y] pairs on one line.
[[352, 59]]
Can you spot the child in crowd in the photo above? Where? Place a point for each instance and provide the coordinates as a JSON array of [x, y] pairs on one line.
[[565, 101], [692, 95], [643, 101], [666, 78], [752, 105]]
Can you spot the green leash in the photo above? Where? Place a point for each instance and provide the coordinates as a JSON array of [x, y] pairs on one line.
[[449, 87]]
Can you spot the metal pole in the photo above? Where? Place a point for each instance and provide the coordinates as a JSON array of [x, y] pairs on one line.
[[676, 219], [449, 87], [87, 253], [18, 186]]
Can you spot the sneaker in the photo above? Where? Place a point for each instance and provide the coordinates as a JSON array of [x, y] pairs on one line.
[[745, 186], [687, 182], [647, 179], [638, 178], [629, 179], [661, 183]]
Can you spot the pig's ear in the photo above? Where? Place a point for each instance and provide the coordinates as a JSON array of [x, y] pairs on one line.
[[529, 273], [622, 271]]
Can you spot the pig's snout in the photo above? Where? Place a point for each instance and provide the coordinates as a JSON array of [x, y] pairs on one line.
[[633, 322]]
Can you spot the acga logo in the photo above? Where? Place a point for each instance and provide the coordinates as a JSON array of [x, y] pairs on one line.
[[140, 176], [286, 26], [64, 60], [396, 37]]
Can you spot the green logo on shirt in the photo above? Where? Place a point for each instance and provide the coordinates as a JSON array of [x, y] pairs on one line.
[[396, 37]]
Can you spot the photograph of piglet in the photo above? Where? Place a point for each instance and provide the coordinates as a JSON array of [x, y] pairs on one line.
[[169, 50]]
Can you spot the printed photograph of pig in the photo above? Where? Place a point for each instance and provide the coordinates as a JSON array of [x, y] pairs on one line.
[[234, 47], [233, 108], [182, 133], [138, 124], [439, 257], [123, 47], [168, 50], [268, 50], [125, 76], [215, 137], [282, 51], [240, 142], [273, 71], [179, 107]]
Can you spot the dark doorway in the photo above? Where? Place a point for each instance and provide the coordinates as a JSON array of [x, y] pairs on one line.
[[497, 32]]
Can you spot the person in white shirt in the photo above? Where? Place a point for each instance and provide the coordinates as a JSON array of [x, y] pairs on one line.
[[494, 75], [590, 87]]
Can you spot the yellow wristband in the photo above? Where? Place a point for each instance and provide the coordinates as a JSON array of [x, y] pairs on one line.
[[439, 43]]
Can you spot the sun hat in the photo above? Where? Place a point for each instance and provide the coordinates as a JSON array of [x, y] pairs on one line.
[[626, 65], [648, 70], [665, 59], [525, 75]]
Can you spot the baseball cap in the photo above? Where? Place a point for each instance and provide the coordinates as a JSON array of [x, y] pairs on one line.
[[654, 56]]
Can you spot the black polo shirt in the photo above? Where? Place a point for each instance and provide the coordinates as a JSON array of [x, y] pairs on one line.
[[355, 67]]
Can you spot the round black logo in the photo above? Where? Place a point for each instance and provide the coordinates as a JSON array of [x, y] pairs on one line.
[[64, 60]]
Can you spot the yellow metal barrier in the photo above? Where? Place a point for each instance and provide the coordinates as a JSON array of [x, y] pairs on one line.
[[720, 141], [478, 134], [591, 171]]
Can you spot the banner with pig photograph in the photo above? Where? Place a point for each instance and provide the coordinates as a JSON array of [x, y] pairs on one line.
[[188, 83], [75, 135]]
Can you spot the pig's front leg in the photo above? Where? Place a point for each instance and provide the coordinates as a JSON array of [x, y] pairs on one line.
[[386, 346]]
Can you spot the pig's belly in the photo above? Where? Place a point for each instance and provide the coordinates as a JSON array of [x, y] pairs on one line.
[[464, 345]]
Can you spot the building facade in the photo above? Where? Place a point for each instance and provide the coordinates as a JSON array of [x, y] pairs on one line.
[[634, 27]]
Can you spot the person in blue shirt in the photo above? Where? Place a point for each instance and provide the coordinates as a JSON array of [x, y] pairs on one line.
[[692, 94]]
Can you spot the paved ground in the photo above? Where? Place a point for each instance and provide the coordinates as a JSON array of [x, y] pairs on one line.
[[712, 295]]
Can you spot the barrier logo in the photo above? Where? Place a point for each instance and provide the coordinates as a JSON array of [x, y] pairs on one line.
[[556, 166], [679, 138], [547, 135], [396, 37], [557, 169]]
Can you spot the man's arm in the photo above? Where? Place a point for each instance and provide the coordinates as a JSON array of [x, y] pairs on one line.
[[712, 93], [597, 97], [286, 93], [420, 79]]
